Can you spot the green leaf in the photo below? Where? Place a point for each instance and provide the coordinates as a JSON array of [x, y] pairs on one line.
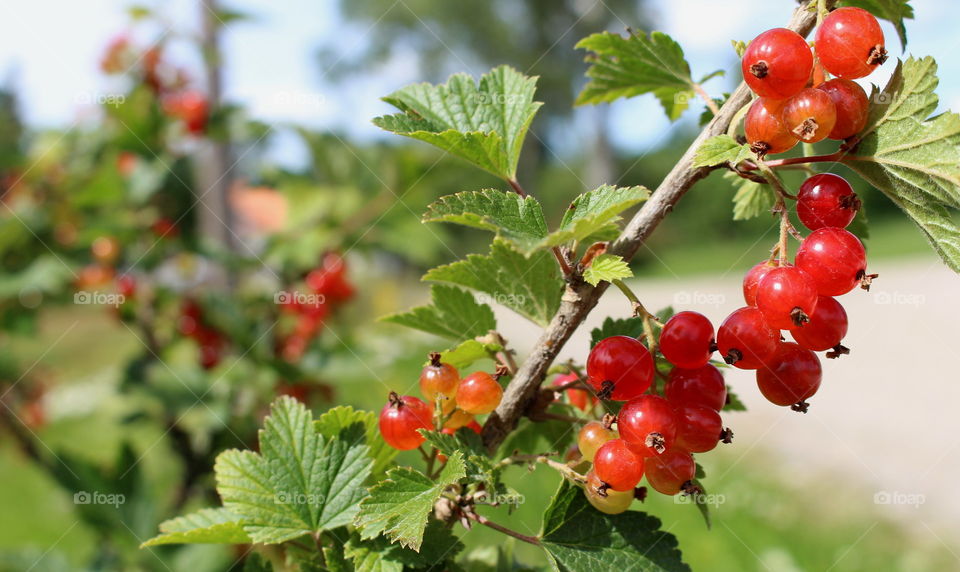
[[752, 199], [515, 218], [530, 286], [484, 124], [206, 526], [595, 214], [721, 150], [452, 314], [379, 555], [632, 327], [740, 47], [399, 506], [895, 11], [733, 402], [607, 268], [536, 438], [300, 483], [914, 159], [341, 418], [478, 465], [580, 538], [635, 65], [469, 352]]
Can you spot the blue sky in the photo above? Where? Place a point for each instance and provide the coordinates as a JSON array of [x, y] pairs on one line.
[[50, 49]]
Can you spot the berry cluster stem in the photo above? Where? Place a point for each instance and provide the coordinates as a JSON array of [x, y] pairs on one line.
[[641, 312], [566, 470], [500, 528]]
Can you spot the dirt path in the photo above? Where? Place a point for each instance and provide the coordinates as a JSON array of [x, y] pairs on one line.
[[887, 416]]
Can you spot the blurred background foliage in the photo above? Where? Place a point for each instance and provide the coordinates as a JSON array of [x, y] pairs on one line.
[[138, 397]]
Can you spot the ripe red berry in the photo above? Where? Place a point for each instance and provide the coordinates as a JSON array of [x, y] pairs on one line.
[[826, 200], [777, 63], [791, 375], [592, 436], [668, 473], [826, 329], [440, 378], [190, 107], [400, 419], [649, 424], [579, 398], [619, 368], [764, 129], [852, 105], [458, 418], [699, 429], [850, 43], [701, 386], [330, 278], [810, 115], [753, 278], [605, 499], [687, 340], [617, 466], [126, 285], [479, 393], [745, 339], [834, 258], [787, 297]]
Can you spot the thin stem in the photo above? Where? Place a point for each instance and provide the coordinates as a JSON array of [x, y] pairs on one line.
[[640, 311], [778, 163], [711, 104], [781, 208], [500, 528], [564, 469], [821, 11], [516, 187], [506, 355], [561, 260]]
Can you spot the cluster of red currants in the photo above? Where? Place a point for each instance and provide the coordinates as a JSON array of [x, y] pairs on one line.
[[211, 341], [456, 402], [655, 435], [330, 289], [795, 102]]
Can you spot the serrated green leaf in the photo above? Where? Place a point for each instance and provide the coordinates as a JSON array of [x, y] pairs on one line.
[[607, 268], [635, 65], [895, 11], [452, 314], [580, 538], [379, 555], [484, 124], [399, 506], [468, 353], [206, 526], [720, 150], [595, 214], [300, 483], [913, 158], [515, 218], [529, 286], [632, 327], [337, 420], [479, 466], [752, 199], [733, 402]]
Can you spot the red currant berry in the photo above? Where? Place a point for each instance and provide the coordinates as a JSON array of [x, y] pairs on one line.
[[791, 375], [592, 436], [440, 378], [753, 278], [826, 200], [458, 418], [764, 130], [687, 340], [850, 43], [605, 499], [400, 419], [834, 258], [616, 465], [649, 424], [668, 473], [787, 297], [619, 368], [777, 63], [826, 328], [852, 105], [701, 386], [810, 115], [479, 393], [745, 339], [699, 429], [579, 398]]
